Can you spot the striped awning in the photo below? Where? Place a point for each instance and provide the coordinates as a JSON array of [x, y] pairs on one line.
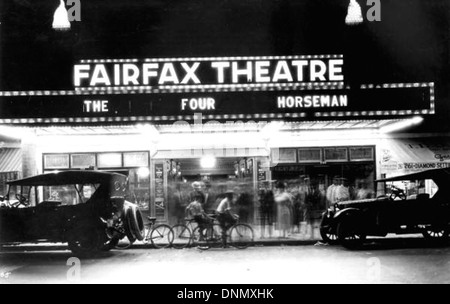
[[10, 160]]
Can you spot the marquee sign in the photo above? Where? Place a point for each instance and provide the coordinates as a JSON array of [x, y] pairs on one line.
[[197, 71], [236, 88]]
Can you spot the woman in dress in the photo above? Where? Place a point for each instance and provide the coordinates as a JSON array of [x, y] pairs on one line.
[[284, 202]]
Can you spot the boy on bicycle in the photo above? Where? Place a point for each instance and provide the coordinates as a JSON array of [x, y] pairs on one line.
[[196, 211], [225, 217]]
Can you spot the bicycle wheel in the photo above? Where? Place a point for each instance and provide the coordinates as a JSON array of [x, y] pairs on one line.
[[214, 236], [162, 236], [182, 236], [241, 236]]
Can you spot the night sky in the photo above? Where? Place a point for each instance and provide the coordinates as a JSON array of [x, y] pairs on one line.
[[410, 44]]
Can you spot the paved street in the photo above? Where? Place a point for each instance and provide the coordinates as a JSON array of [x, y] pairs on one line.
[[404, 261]]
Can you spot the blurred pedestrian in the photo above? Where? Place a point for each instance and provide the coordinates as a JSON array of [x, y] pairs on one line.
[[225, 216], [197, 189], [267, 209], [284, 203]]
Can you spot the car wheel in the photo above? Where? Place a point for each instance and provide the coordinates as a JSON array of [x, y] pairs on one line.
[[349, 234], [328, 236], [436, 233]]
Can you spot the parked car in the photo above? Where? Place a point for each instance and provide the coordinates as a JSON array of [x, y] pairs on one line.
[[86, 209], [412, 204]]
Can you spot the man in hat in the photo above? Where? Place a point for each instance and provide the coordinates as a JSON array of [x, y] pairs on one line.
[[197, 191], [225, 217]]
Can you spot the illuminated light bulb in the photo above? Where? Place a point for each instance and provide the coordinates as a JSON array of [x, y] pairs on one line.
[[61, 18], [208, 162], [354, 16], [144, 172]]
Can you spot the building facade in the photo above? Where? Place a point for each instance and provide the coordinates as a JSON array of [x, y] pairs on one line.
[[237, 105]]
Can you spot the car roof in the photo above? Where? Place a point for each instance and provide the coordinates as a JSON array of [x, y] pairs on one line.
[[69, 178], [439, 176]]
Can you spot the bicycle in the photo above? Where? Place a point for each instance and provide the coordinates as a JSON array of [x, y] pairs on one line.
[[160, 236], [239, 236], [183, 237]]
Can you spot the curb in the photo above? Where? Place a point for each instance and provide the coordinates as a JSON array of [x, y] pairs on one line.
[[275, 243]]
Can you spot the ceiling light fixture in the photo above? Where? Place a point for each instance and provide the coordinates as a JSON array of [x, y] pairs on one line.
[[61, 18], [354, 16], [208, 162]]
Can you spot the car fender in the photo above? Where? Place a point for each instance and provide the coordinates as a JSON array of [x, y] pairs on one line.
[[346, 212]]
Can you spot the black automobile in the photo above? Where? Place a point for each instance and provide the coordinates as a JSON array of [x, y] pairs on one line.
[[86, 209], [411, 204]]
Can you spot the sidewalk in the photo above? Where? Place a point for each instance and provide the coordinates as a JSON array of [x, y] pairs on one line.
[[295, 239]]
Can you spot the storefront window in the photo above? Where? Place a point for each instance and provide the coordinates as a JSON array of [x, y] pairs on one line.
[[336, 155], [139, 159], [310, 155], [109, 160], [82, 161], [57, 161]]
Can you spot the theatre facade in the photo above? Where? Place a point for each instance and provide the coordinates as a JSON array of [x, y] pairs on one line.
[[230, 122]]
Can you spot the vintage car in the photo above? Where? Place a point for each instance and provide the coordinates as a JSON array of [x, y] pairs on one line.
[[86, 209], [411, 204]]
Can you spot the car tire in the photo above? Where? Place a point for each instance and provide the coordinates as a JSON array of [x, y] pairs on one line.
[[127, 227], [328, 237], [136, 223], [326, 232], [437, 233], [349, 234]]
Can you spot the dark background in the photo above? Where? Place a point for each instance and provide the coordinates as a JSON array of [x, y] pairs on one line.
[[410, 44]]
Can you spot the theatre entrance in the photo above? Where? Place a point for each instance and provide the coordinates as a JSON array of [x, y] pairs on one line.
[[212, 177]]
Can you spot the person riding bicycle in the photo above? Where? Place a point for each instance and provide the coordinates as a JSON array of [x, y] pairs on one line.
[[225, 217], [196, 211]]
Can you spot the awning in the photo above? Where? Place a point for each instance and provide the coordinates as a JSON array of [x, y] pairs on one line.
[[10, 160]]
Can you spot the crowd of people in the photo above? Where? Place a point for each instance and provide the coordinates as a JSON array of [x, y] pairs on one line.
[[296, 207], [283, 208]]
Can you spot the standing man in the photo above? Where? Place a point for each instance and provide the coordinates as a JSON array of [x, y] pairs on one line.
[[332, 192], [343, 191]]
